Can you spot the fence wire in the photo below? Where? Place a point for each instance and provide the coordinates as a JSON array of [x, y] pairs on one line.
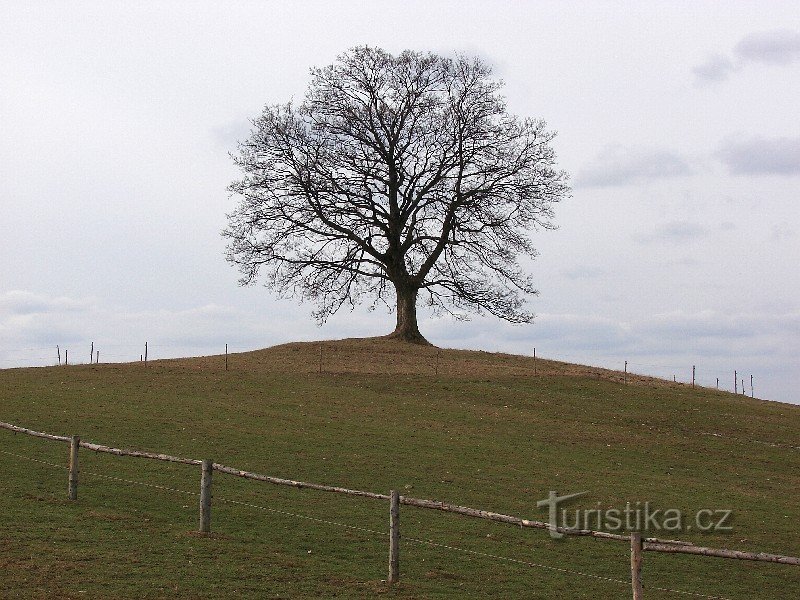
[[383, 534]]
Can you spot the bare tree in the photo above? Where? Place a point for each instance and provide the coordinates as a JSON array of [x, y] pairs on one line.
[[396, 177]]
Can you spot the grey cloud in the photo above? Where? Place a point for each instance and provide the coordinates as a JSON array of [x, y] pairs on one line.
[[32, 319], [674, 231], [759, 155], [683, 326], [782, 231], [781, 47], [715, 341], [19, 302], [31, 325], [568, 332], [582, 332], [716, 68], [684, 261], [620, 166], [584, 272], [230, 134], [709, 332]]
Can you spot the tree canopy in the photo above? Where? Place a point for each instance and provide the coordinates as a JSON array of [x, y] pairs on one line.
[[396, 179]]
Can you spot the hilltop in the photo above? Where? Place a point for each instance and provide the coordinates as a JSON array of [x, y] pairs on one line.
[[491, 431]]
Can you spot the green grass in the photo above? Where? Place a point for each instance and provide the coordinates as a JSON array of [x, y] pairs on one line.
[[485, 432]]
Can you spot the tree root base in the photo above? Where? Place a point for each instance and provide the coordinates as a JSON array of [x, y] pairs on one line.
[[408, 337]]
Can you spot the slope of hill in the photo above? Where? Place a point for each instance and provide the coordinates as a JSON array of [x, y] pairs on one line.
[[490, 431]]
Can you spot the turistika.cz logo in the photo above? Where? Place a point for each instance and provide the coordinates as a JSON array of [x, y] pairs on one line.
[[638, 516]]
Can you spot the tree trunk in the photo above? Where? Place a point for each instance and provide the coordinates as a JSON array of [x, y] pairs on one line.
[[407, 329]]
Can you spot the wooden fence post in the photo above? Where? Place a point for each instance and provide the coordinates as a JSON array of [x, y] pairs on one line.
[[205, 495], [626, 372], [74, 444], [394, 536], [693, 371], [636, 565]]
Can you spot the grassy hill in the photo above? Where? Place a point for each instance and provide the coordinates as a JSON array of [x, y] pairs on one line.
[[484, 432]]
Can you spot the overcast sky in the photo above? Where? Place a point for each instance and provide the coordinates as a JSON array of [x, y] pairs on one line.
[[678, 122]]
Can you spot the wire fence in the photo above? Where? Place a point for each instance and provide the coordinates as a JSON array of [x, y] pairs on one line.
[[692, 374], [638, 545], [90, 353], [744, 382], [373, 532]]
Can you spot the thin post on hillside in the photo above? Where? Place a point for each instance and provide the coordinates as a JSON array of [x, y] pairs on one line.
[[625, 377], [145, 354], [91, 353], [74, 444], [751, 387], [394, 537], [636, 566], [58, 351], [735, 382], [226, 357], [207, 470], [66, 356], [693, 373], [534, 361]]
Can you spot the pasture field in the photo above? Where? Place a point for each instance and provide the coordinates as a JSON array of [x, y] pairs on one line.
[[484, 432]]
